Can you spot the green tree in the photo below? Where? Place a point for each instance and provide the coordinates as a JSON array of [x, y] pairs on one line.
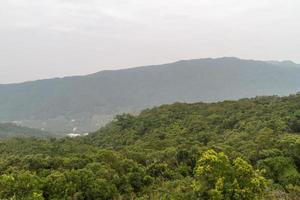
[[20, 185], [281, 170], [219, 178]]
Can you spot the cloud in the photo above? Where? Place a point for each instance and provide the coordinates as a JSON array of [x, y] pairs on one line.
[[78, 15], [71, 15], [63, 37]]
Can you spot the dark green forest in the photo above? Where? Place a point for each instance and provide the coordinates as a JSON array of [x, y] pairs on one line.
[[232, 150]]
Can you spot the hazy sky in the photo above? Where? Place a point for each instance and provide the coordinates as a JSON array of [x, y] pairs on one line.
[[50, 38]]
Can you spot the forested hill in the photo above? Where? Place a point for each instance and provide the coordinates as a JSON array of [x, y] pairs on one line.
[[85, 103], [12, 130], [238, 150]]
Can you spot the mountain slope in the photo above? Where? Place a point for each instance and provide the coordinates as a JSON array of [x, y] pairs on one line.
[[246, 149], [12, 130], [83, 103]]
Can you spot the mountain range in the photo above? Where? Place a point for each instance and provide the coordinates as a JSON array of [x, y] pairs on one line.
[[85, 103]]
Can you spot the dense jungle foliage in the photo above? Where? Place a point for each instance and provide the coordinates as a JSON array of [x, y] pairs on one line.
[[232, 150]]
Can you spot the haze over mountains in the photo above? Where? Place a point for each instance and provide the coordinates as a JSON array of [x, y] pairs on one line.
[[84, 103]]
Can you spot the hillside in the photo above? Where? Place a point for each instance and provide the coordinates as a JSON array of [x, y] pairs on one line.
[[238, 150], [12, 130], [84, 103]]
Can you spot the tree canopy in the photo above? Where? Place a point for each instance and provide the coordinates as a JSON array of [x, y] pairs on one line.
[[246, 149]]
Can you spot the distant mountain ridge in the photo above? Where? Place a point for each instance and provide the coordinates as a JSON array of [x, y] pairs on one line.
[[84, 103]]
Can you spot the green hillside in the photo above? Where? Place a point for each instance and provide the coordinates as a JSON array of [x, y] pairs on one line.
[[12, 130], [88, 102], [237, 150]]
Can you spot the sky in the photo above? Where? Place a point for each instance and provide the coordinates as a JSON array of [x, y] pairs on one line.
[[56, 38]]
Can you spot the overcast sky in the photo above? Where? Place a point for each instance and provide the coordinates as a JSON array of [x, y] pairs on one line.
[[55, 38]]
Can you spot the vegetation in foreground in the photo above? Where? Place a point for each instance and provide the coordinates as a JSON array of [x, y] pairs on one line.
[[246, 149]]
